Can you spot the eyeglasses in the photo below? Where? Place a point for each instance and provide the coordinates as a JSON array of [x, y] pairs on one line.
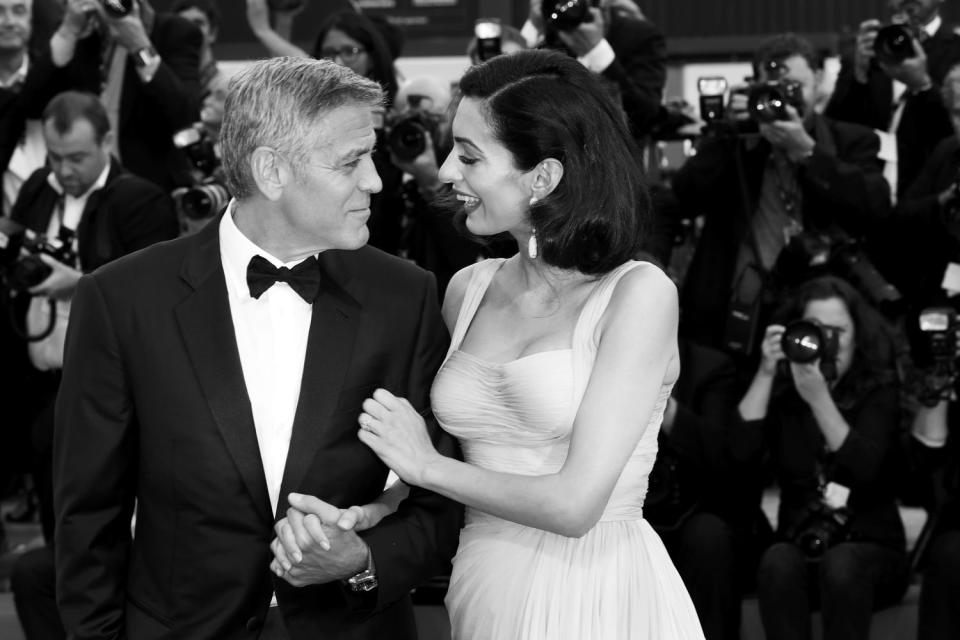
[[346, 53]]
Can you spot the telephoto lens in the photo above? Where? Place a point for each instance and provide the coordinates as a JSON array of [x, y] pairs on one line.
[[894, 44]]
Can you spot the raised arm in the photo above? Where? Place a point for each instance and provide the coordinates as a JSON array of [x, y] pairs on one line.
[[637, 353]]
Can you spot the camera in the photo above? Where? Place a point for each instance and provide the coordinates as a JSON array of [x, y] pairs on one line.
[[117, 8], [936, 355], [894, 43], [208, 195], [806, 341], [820, 528], [406, 132], [566, 15], [20, 265], [487, 32], [767, 100]]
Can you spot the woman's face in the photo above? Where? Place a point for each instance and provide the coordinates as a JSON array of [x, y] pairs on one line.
[[833, 313], [495, 194], [346, 51]]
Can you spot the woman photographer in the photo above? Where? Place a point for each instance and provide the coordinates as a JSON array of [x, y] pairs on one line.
[[829, 428]]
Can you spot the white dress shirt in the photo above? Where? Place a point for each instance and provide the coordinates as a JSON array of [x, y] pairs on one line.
[[271, 333], [30, 152]]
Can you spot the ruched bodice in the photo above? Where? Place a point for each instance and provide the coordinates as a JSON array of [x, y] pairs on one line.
[[512, 581]]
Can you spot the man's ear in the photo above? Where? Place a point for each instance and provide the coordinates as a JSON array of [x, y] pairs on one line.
[[271, 172], [546, 177]]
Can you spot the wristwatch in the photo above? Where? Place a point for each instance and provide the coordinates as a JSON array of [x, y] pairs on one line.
[[145, 57], [366, 580]]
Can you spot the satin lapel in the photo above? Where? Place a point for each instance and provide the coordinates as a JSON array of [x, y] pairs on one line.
[[207, 329], [333, 329]]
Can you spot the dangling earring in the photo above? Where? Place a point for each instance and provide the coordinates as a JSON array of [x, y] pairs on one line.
[[532, 249]]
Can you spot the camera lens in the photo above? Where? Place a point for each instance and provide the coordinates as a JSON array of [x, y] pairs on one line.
[[407, 140], [202, 201], [565, 14], [894, 44], [28, 272], [803, 341], [767, 102]]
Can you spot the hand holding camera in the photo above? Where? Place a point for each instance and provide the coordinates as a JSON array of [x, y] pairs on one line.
[[864, 53], [910, 70], [61, 282], [789, 135], [586, 35], [771, 349], [79, 18]]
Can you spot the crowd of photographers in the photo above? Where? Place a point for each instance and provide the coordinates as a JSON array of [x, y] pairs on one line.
[[819, 331]]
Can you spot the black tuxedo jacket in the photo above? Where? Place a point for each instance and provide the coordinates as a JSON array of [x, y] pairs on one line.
[[924, 122], [127, 214], [153, 408], [150, 113]]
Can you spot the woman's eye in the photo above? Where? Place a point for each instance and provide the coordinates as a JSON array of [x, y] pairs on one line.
[[467, 160]]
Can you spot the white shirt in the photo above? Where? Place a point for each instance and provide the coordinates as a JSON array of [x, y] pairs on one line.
[[271, 334], [30, 152]]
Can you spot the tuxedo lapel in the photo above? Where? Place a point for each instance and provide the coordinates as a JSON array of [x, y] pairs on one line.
[[330, 346], [207, 328]]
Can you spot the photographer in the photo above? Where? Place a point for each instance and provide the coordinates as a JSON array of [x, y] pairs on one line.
[[804, 175], [618, 43], [933, 474], [824, 405], [145, 68], [891, 85]]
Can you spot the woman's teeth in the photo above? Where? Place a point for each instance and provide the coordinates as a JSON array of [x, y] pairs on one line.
[[468, 201]]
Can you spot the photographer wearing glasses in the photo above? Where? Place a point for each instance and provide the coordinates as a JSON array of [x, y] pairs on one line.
[[824, 406], [774, 174], [889, 83]]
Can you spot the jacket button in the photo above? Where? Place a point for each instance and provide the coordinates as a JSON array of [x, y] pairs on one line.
[[254, 623]]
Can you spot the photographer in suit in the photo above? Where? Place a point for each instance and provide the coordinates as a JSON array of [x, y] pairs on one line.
[[894, 90], [803, 177], [824, 406], [618, 43], [99, 212]]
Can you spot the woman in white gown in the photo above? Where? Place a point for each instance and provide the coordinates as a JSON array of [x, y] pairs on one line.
[[561, 362]]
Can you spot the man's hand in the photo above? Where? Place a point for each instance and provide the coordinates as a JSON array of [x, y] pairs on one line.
[[864, 53], [311, 548], [586, 36], [789, 136], [536, 15], [912, 71], [60, 284], [258, 16], [79, 18]]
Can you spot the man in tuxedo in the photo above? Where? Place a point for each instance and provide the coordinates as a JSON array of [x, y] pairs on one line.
[[899, 99], [213, 379]]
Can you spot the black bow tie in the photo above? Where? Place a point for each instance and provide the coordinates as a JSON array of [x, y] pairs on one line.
[[303, 278]]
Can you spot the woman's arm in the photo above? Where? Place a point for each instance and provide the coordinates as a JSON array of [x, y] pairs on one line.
[[258, 16], [756, 400], [636, 354]]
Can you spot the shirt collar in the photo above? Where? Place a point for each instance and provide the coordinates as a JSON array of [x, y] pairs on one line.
[[19, 76], [933, 26], [236, 250], [101, 181]]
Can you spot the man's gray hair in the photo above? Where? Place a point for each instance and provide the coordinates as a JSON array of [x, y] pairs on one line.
[[276, 103]]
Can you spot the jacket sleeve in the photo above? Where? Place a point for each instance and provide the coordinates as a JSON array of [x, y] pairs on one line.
[[640, 70], [94, 472], [873, 435], [175, 88], [418, 540]]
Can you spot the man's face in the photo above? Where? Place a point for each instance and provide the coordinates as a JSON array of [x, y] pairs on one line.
[[917, 12], [200, 19], [76, 158], [327, 204], [797, 68], [15, 24]]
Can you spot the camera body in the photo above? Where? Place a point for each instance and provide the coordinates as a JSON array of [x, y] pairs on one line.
[[566, 15], [205, 198], [894, 43], [937, 355], [806, 341], [820, 528], [20, 272], [406, 132], [117, 8]]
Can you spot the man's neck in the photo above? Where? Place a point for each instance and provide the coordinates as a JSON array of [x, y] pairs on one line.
[[10, 62]]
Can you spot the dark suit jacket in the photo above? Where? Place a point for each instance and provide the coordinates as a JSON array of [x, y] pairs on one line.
[[924, 121], [127, 214], [842, 184], [153, 407], [639, 69], [149, 113]]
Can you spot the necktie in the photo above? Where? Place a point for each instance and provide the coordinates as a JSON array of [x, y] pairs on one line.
[[303, 278]]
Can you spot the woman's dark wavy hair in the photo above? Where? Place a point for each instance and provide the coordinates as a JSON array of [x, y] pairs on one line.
[[361, 29], [874, 352], [542, 104]]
